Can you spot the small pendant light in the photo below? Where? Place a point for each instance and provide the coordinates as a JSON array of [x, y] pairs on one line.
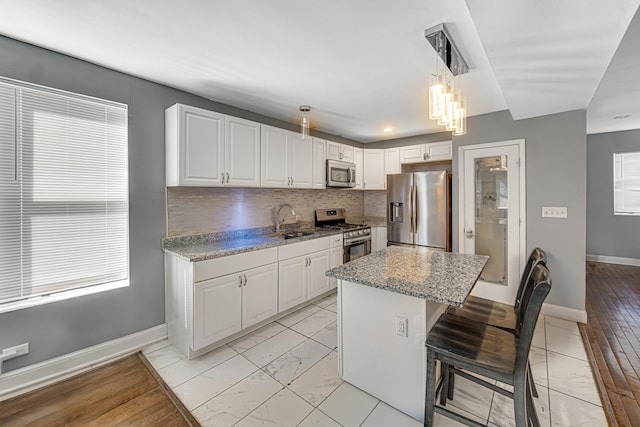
[[304, 124]]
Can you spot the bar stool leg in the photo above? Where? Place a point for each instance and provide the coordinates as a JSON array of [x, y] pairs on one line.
[[533, 385], [431, 388], [444, 390], [531, 409], [520, 401]]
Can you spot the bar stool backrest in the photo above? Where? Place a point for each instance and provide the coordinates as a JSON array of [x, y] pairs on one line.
[[536, 291], [536, 257]]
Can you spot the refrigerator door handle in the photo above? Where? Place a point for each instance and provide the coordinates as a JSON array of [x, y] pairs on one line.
[[411, 207], [415, 209]]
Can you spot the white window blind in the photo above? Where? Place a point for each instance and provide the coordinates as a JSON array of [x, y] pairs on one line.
[[63, 192], [626, 183]]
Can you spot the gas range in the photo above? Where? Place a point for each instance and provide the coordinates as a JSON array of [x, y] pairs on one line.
[[336, 219]]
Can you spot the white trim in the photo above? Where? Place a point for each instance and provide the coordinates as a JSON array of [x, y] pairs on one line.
[[566, 313], [613, 260], [29, 378], [520, 143]]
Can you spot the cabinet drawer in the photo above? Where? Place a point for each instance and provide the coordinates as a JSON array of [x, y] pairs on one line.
[[336, 241], [217, 267], [303, 248]]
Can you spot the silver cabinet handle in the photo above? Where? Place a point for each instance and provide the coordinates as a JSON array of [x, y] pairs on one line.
[[340, 155], [222, 178], [240, 281], [424, 156], [469, 233], [227, 177], [427, 155], [245, 279]]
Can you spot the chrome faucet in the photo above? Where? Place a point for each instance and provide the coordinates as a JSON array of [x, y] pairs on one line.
[[278, 222]]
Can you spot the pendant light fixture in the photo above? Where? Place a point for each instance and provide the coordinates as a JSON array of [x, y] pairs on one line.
[[304, 122], [447, 104]]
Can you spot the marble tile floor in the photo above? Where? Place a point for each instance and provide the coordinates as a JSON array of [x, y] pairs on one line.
[[286, 374]]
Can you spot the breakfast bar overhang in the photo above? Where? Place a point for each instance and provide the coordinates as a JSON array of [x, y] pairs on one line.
[[387, 303]]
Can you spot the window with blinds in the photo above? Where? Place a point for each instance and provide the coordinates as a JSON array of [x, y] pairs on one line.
[[64, 216], [626, 183]]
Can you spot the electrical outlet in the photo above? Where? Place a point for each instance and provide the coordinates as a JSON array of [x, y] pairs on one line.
[[16, 351], [402, 326], [554, 211]]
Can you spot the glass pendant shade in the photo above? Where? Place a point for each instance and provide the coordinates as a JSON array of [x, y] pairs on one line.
[[435, 93], [304, 122]]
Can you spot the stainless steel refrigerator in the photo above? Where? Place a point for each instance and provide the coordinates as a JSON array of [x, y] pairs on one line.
[[419, 209]]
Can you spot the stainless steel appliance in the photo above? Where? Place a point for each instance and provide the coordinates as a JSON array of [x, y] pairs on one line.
[[341, 174], [419, 209], [356, 237]]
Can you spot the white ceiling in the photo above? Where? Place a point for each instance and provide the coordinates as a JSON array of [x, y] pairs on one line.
[[361, 65]]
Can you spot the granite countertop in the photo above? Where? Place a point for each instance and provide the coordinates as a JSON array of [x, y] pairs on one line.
[[207, 246], [442, 277]]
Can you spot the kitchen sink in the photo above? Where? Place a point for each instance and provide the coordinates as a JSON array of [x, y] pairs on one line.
[[294, 234]]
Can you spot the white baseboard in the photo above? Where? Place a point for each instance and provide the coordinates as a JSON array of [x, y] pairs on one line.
[[566, 313], [29, 378], [613, 260]]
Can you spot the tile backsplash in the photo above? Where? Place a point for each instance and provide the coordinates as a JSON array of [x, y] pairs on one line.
[[199, 210], [375, 203]]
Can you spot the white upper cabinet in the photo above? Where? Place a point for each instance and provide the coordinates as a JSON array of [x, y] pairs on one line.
[[286, 159], [336, 151], [242, 152], [432, 152], [209, 149], [357, 160], [392, 161], [319, 163], [194, 147], [374, 177]]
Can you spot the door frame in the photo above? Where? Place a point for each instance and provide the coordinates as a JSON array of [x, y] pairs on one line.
[[520, 143]]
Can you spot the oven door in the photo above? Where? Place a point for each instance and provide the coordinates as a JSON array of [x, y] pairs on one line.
[[356, 248]]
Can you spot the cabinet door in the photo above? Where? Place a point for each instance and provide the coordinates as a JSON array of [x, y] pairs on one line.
[[334, 150], [217, 309], [300, 161], [347, 153], [378, 238], [242, 152], [319, 163], [274, 157], [317, 282], [412, 154], [336, 260], [201, 146], [259, 294], [374, 177], [439, 151], [292, 276], [391, 161], [357, 159]]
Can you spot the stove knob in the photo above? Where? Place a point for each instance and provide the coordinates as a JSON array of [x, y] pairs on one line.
[[361, 232]]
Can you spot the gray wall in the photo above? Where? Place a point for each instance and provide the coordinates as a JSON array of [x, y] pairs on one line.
[[63, 327], [556, 176], [609, 234], [410, 140]]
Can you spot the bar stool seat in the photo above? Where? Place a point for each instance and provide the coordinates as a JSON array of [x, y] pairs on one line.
[[461, 343]]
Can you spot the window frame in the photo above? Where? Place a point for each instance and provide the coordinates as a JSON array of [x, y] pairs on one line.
[[619, 181]]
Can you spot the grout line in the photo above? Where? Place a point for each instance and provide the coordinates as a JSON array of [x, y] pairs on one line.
[[371, 412]]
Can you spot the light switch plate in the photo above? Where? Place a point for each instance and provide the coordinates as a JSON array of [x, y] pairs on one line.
[[554, 211]]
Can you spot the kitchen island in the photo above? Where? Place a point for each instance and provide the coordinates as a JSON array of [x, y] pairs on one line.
[[387, 303]]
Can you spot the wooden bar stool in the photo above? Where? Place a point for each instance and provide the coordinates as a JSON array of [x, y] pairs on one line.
[[498, 314], [460, 343]]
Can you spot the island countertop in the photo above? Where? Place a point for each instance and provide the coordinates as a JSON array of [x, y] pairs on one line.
[[442, 277]]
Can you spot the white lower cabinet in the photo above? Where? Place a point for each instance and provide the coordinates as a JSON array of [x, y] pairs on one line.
[[336, 257], [378, 238], [301, 272], [225, 305]]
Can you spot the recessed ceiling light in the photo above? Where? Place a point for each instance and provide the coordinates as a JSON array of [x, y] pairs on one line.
[[622, 116], [387, 129]]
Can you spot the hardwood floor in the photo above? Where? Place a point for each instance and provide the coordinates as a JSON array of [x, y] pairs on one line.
[[613, 333], [123, 393]]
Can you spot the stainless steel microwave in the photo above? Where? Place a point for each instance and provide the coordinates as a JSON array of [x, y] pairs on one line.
[[341, 174]]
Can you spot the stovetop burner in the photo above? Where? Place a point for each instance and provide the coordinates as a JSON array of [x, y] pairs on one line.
[[344, 226]]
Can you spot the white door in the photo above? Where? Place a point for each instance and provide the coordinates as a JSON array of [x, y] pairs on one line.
[[436, 151], [412, 154], [374, 177], [242, 153], [301, 160], [259, 294], [334, 150], [319, 163], [274, 157], [201, 146], [317, 282], [347, 153], [217, 309], [292, 278], [392, 161], [357, 160], [492, 210]]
